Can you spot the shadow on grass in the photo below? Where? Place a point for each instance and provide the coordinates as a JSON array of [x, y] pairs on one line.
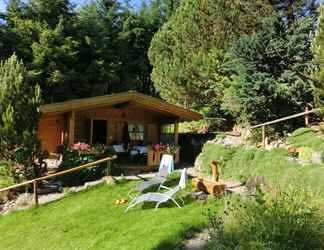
[[178, 243]]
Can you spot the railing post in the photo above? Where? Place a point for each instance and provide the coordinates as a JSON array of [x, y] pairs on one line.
[[263, 136], [108, 169], [306, 116], [35, 192]]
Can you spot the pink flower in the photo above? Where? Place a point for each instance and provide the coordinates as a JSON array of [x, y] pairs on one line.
[[81, 146], [156, 147]]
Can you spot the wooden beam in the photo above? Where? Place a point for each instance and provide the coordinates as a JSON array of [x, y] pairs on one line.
[[71, 128], [176, 133], [286, 118], [91, 130]]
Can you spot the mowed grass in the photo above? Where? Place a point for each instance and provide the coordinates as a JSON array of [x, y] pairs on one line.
[[91, 220]]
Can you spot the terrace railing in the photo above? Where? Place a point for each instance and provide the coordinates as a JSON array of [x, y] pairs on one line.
[[305, 114], [35, 181]]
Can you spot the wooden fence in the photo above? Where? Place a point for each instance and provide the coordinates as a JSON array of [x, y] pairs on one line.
[[34, 182], [263, 125]]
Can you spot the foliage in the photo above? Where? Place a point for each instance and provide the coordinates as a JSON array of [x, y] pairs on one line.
[[240, 163], [99, 48], [305, 154], [19, 101], [80, 154], [5, 175], [318, 51], [270, 72], [283, 219], [90, 219], [191, 64]]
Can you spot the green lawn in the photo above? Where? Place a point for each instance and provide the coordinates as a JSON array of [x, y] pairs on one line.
[[91, 220]]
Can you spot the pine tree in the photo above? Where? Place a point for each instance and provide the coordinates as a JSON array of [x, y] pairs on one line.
[[19, 103], [188, 54], [318, 51]]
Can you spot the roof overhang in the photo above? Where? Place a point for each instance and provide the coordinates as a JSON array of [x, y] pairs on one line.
[[147, 102]]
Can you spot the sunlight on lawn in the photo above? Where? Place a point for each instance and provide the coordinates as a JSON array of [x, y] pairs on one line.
[[91, 220]]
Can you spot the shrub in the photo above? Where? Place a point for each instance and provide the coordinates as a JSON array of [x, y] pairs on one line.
[[6, 178], [305, 154], [80, 154], [19, 114], [287, 219]]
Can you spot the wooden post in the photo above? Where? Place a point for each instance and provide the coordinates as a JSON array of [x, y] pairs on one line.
[[263, 136], [91, 130], [176, 133], [71, 128], [306, 116], [35, 192], [215, 173]]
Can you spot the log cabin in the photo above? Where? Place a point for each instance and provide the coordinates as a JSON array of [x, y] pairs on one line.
[[105, 120]]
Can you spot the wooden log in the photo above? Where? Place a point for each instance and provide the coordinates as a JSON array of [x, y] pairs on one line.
[[217, 189]]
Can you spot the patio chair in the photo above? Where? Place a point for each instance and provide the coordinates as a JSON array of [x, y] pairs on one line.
[[167, 160], [158, 179], [160, 198]]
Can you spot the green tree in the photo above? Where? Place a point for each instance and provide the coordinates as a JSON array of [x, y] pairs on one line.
[[271, 66], [188, 54], [19, 103], [318, 51]]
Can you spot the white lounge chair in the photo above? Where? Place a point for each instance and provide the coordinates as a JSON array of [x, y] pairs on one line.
[[158, 179], [161, 197]]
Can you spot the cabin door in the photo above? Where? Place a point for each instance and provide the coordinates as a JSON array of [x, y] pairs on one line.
[[99, 132]]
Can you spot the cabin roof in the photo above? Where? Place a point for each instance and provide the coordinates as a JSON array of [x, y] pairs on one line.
[[147, 102]]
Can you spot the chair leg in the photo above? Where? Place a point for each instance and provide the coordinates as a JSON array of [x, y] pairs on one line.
[[176, 202], [157, 206]]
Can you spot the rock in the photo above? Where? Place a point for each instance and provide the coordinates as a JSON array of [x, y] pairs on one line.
[[316, 158], [92, 183], [109, 180], [253, 182], [24, 200]]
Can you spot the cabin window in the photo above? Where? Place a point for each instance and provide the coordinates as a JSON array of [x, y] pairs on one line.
[[167, 129], [136, 132], [167, 134]]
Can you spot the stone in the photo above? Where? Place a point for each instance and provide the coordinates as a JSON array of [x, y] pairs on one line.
[[109, 180], [253, 182]]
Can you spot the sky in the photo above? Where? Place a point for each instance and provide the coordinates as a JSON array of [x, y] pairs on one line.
[[134, 3]]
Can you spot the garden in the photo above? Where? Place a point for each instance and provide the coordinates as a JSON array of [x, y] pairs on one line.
[[236, 64]]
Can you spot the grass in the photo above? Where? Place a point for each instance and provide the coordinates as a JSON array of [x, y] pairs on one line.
[[241, 163], [305, 137], [91, 220]]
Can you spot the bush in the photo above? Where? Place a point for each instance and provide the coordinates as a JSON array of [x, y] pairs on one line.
[[305, 154], [6, 178], [287, 219], [80, 154]]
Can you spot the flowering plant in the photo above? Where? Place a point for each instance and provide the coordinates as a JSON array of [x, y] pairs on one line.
[[81, 146]]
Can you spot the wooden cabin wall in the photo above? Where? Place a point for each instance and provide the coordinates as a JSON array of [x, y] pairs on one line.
[[115, 122], [51, 132]]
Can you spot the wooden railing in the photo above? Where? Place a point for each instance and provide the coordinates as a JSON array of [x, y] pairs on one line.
[[263, 125], [35, 181]]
